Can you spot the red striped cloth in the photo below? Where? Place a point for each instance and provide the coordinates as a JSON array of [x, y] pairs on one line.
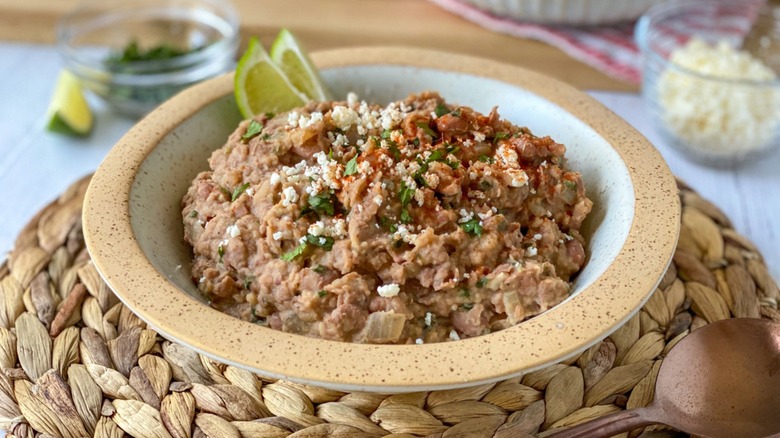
[[609, 49]]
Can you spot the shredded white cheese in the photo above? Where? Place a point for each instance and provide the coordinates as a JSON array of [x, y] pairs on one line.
[[454, 335], [716, 115]]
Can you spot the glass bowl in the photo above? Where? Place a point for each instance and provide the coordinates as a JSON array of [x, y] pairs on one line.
[[712, 106], [135, 54]]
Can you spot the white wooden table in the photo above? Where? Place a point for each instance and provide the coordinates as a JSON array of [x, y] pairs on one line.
[[36, 166]]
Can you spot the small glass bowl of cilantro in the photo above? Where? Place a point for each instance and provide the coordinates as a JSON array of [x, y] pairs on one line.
[[135, 54]]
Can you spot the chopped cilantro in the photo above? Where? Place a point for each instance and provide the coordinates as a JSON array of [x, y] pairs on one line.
[[265, 136], [322, 293], [570, 184], [467, 306], [386, 134], [324, 242], [351, 167], [330, 154], [437, 155], [500, 136], [225, 192], [134, 53], [416, 142], [220, 252], [238, 191], [456, 113], [320, 269], [465, 293], [427, 129], [405, 194], [486, 159], [248, 281], [405, 216], [194, 213], [394, 150], [270, 115], [485, 185], [482, 282], [393, 228], [252, 130], [441, 110], [297, 251], [454, 164], [472, 227], [322, 203]]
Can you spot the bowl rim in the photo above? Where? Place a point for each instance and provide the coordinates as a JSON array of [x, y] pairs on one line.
[[540, 341]]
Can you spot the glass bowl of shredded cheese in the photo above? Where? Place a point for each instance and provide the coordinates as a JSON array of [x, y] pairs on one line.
[[708, 95]]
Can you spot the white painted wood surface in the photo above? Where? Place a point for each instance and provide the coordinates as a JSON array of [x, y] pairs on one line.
[[36, 166]]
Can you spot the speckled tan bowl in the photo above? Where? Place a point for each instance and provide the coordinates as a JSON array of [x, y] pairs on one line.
[[133, 226]]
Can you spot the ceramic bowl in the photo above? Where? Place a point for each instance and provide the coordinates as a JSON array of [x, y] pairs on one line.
[[133, 226]]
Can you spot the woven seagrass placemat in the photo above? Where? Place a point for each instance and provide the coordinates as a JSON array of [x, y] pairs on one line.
[[75, 362]]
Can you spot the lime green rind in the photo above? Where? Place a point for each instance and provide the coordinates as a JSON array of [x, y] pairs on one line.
[[68, 112], [58, 125]]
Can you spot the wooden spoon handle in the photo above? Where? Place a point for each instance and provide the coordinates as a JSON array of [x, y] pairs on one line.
[[608, 425]]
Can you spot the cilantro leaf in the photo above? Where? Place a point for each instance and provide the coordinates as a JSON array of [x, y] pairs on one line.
[[220, 252], [320, 269], [238, 191], [437, 155], [482, 282], [386, 134], [394, 150], [500, 136], [248, 281], [322, 203], [351, 167], [486, 159], [472, 227], [322, 294], [294, 253], [465, 293], [324, 242], [467, 306], [194, 213], [252, 130], [427, 129], [570, 184], [456, 113], [441, 110], [405, 216], [405, 194]]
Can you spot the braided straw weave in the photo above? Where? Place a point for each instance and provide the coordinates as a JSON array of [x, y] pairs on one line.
[[76, 363]]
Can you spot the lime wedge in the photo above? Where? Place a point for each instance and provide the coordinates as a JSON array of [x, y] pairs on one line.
[[68, 111], [287, 53], [261, 86]]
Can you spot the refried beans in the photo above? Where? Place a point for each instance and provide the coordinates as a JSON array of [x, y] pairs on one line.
[[422, 221]]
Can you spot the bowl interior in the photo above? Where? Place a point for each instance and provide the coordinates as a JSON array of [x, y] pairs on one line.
[[167, 171]]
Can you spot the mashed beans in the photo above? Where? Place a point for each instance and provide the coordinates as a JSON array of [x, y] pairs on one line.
[[421, 221]]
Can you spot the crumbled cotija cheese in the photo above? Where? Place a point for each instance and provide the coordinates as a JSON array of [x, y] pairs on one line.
[[713, 115], [388, 290]]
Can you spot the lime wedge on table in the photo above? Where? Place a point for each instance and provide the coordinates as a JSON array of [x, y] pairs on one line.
[[293, 60], [68, 111], [261, 86]]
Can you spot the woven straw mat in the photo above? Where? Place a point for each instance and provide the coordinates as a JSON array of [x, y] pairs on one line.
[[76, 363]]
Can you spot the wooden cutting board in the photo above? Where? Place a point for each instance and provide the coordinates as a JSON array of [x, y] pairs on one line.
[[322, 24]]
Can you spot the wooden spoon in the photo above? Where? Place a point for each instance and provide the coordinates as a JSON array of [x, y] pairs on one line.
[[723, 380]]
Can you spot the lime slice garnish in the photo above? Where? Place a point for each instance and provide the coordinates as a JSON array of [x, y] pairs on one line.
[[68, 111], [287, 53], [261, 86]]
